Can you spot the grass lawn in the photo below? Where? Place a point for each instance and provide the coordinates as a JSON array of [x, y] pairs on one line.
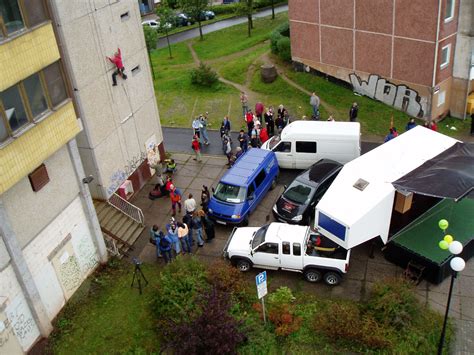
[[107, 316]]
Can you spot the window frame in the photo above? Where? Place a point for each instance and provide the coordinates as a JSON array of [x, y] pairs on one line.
[[272, 244], [445, 64], [258, 179], [451, 10], [288, 245], [296, 246], [26, 21], [305, 143]]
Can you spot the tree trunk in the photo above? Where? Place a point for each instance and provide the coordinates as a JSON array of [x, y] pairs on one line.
[[250, 13], [169, 45], [249, 25], [200, 30], [273, 9]]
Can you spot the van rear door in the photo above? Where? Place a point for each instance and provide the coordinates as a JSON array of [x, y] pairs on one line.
[[305, 154]]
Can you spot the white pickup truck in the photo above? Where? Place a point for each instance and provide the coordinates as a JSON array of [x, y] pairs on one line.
[[287, 247]]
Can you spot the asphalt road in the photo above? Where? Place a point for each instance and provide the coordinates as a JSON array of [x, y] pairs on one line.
[[192, 33]]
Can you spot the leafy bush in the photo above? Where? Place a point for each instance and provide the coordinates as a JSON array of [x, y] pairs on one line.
[[179, 285], [393, 302], [282, 295], [225, 9], [226, 278], [284, 49], [345, 322], [204, 75], [214, 331]]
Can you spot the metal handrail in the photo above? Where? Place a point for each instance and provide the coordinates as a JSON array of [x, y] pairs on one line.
[[127, 208]]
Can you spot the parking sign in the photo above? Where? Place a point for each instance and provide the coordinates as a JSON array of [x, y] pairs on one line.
[[261, 281]]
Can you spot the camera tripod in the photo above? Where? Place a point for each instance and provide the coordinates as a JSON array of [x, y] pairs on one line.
[[138, 275]]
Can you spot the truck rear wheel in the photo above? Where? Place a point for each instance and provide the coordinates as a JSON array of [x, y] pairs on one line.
[[244, 265], [312, 275], [332, 278]]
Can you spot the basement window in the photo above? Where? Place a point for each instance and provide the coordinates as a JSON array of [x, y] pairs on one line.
[[125, 16]]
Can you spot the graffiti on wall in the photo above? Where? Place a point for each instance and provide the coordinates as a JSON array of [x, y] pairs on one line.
[[119, 176], [21, 321], [87, 255], [399, 96]]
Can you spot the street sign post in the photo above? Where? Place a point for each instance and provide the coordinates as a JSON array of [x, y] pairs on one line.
[[261, 281]]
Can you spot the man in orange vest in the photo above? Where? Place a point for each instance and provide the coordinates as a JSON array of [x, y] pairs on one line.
[[175, 196]]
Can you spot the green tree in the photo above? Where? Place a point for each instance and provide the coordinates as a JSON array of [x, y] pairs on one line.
[[151, 37], [195, 8], [166, 20]]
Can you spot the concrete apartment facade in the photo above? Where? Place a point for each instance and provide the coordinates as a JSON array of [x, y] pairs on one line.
[[50, 237], [400, 52], [61, 120]]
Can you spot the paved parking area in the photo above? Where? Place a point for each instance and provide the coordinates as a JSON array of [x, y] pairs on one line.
[[363, 270]]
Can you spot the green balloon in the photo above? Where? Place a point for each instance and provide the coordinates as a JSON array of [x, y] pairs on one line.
[[443, 244], [443, 224]]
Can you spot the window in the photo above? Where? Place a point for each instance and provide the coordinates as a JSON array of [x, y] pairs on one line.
[[260, 178], [35, 94], [445, 56], [320, 191], [11, 20], [31, 99], [306, 147], [14, 109], [55, 83], [136, 70], [35, 12], [269, 248], [250, 190], [229, 193], [441, 98], [286, 248], [296, 249], [449, 13], [283, 147], [125, 16]]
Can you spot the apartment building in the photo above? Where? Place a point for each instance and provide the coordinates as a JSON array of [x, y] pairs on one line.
[[400, 52], [66, 136]]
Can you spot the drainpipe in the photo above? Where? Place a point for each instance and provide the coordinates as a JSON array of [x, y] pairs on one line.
[[471, 66], [435, 67]]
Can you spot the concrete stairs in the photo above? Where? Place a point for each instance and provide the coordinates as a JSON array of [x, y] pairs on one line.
[[117, 227]]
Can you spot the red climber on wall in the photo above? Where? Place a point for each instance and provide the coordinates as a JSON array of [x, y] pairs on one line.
[[117, 60]]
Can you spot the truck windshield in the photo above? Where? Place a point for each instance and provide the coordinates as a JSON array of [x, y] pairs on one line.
[[230, 193], [273, 141], [259, 236]]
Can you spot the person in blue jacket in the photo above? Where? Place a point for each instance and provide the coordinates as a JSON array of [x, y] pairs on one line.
[[411, 124], [164, 243]]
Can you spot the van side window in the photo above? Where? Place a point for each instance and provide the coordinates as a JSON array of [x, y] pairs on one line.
[[306, 147], [260, 178], [250, 190], [283, 147], [323, 188], [270, 248], [296, 249], [286, 247]]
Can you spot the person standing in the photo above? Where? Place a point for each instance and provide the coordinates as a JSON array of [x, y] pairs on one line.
[[190, 204], [259, 109], [205, 198], [244, 100], [411, 124], [263, 135], [155, 236], [172, 232], [433, 126], [164, 245], [196, 149], [203, 121], [314, 102], [228, 150], [188, 220], [269, 121], [175, 197], [120, 69], [197, 127], [243, 140], [197, 226], [250, 121], [225, 126], [208, 225], [183, 232], [353, 112]]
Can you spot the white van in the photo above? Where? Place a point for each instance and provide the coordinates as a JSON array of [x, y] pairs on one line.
[[303, 143]]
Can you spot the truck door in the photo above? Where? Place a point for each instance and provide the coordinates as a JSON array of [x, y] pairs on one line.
[[284, 155], [267, 255], [290, 257]]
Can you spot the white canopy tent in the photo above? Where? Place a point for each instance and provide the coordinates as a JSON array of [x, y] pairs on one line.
[[351, 215]]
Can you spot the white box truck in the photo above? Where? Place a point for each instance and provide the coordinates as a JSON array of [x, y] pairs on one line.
[[303, 143]]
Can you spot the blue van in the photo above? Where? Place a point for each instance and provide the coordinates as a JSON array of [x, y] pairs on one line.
[[243, 187]]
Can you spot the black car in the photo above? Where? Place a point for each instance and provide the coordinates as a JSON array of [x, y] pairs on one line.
[[296, 204]]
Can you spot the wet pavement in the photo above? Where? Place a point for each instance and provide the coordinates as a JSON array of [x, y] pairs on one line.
[[363, 270], [194, 32]]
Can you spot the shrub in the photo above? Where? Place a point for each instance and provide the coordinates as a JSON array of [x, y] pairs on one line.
[[179, 285], [393, 302], [214, 331], [344, 321], [282, 295], [284, 49], [274, 37], [204, 75], [226, 278], [225, 9]]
